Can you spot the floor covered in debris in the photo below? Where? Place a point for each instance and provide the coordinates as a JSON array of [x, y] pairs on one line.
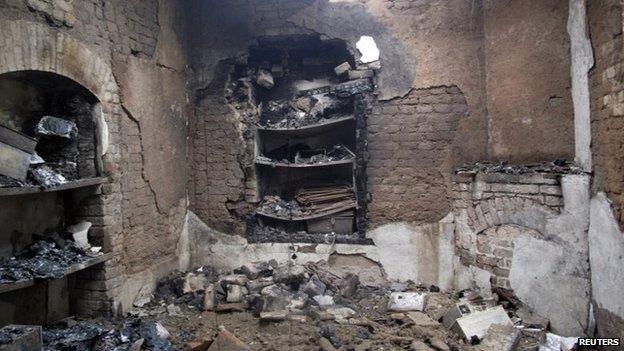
[[266, 306]]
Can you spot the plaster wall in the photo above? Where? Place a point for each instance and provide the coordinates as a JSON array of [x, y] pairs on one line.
[[527, 70]]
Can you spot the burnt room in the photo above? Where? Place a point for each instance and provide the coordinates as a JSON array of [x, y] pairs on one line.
[[354, 175]]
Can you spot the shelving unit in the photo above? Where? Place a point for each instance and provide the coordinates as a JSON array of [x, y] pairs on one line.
[[6, 287], [24, 190], [276, 177]]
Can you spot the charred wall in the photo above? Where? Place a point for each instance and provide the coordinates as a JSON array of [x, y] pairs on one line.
[[409, 145], [417, 63], [527, 61], [139, 215]]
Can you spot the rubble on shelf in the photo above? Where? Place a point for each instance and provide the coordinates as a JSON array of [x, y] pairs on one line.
[[50, 126], [309, 157], [560, 166], [43, 260], [301, 111]]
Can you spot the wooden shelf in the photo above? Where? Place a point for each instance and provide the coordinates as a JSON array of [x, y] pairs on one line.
[[24, 190], [305, 218], [312, 129], [6, 287], [303, 165]]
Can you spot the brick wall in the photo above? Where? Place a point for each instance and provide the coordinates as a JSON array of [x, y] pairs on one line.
[[408, 141], [77, 40], [218, 180], [129, 27], [489, 203], [607, 93]]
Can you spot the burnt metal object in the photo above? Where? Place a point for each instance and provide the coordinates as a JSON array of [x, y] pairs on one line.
[[56, 127]]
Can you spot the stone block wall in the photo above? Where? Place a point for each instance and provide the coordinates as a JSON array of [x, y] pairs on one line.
[[607, 93], [497, 208], [408, 142]]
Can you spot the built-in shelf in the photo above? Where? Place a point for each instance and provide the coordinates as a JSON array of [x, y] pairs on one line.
[[21, 284], [313, 216], [24, 190], [303, 165], [312, 129]]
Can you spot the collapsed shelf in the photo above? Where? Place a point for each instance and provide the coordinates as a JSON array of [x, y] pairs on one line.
[[80, 183], [6, 287]]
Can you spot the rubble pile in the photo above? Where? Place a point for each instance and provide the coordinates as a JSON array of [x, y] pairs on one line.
[[343, 314], [277, 206], [43, 260], [302, 111], [9, 334], [133, 335], [57, 143], [560, 166], [271, 306]]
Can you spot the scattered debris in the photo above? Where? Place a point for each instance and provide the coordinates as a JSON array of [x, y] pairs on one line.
[[21, 337], [303, 110], [80, 233], [556, 167], [477, 323], [308, 157], [42, 260], [47, 177], [361, 73], [555, 342], [352, 87], [265, 79], [406, 301], [500, 338], [228, 341], [50, 126], [342, 68], [143, 297], [272, 296], [36, 159]]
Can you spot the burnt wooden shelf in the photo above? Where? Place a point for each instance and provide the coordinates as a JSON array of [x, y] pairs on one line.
[[313, 216], [81, 183], [21, 284], [303, 165], [312, 129]]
